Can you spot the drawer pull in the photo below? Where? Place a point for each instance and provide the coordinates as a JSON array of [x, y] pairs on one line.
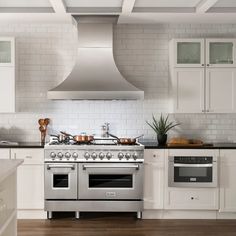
[[29, 157]]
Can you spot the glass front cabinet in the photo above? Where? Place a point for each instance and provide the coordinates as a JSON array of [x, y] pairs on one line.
[[7, 51], [203, 75], [220, 53], [204, 53], [189, 52], [7, 74]]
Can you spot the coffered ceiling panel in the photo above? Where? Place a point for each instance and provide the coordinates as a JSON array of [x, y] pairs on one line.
[[93, 3], [225, 3], [166, 3], [25, 3], [25, 6]]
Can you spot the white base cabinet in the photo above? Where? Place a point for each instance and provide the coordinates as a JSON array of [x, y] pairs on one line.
[[192, 199], [5, 153], [30, 182], [153, 178], [227, 180]]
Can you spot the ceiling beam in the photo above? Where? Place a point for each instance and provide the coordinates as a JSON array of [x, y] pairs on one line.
[[127, 6], [204, 5], [58, 6]]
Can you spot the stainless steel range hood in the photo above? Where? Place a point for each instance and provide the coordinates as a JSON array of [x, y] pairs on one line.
[[95, 75]]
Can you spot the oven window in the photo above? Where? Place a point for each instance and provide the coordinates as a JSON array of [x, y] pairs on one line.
[[193, 174], [60, 181], [184, 171], [110, 181]]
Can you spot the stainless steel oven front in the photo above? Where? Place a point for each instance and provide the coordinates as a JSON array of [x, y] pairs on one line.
[[106, 181], [192, 171], [60, 180]]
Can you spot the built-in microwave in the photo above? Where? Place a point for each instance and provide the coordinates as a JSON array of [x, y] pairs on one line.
[[192, 171]]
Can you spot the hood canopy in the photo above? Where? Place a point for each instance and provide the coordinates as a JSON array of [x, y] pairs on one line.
[[95, 75]]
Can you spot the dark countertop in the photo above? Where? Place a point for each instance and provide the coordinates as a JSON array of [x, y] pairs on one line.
[[151, 144], [23, 145]]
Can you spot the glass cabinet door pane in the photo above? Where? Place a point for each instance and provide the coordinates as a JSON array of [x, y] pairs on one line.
[[221, 53], [5, 52], [188, 53]]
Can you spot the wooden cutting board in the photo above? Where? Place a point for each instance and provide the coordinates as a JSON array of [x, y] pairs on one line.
[[184, 145]]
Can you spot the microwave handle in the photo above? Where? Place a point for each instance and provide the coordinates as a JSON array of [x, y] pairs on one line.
[[100, 166], [192, 165]]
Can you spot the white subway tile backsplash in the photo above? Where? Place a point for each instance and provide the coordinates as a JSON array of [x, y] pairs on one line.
[[46, 53]]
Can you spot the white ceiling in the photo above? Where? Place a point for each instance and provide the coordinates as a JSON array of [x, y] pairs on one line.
[[166, 3], [130, 11], [93, 3]]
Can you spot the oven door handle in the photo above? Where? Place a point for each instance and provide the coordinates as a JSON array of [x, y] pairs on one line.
[[113, 167], [193, 165], [60, 166]]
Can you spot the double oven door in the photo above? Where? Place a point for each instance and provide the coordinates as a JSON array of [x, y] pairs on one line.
[[107, 181], [61, 181]]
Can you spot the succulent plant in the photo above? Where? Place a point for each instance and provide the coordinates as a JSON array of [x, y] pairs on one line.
[[161, 126]]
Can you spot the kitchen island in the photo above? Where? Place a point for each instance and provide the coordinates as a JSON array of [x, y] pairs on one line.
[[8, 174]]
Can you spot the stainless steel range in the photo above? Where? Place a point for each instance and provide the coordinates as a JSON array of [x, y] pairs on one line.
[[102, 176]]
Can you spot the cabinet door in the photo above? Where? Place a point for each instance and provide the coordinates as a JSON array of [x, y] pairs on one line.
[[4, 153], [7, 51], [220, 90], [7, 89], [189, 52], [220, 53], [30, 178], [188, 90], [227, 181], [30, 187], [153, 179]]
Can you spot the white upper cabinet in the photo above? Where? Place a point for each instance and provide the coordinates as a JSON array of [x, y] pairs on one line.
[[7, 51], [7, 75], [203, 75], [189, 52], [220, 53], [220, 90], [188, 90]]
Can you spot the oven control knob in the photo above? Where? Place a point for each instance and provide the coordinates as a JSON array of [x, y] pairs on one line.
[[53, 155], [75, 155], [59, 155], [86, 155], [135, 156], [101, 155], [94, 155], [127, 156], [67, 155], [109, 155], [120, 155]]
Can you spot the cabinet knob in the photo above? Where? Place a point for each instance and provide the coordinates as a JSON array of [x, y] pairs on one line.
[[203, 64], [208, 64]]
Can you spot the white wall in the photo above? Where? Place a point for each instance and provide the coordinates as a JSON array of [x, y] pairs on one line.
[[46, 54]]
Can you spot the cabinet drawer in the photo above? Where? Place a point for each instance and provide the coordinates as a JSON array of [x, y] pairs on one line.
[[154, 155], [4, 153], [29, 155], [198, 199]]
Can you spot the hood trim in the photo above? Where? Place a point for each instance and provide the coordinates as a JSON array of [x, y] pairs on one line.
[[95, 75]]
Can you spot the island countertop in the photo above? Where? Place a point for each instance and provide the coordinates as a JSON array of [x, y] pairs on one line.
[[7, 167]]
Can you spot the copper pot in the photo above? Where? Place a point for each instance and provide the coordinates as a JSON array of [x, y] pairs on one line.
[[80, 138], [126, 141]]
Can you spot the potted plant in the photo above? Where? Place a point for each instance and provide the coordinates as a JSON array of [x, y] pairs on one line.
[[161, 127]]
